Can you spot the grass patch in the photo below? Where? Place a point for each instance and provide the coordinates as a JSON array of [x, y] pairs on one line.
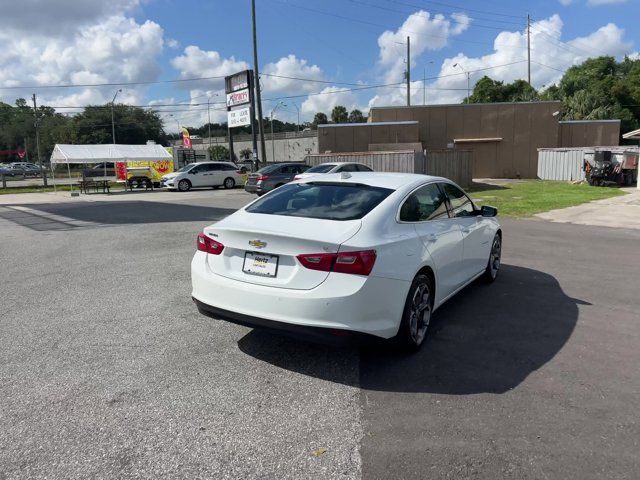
[[522, 199]]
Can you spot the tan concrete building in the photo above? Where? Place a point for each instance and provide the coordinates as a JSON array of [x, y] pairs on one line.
[[504, 137]]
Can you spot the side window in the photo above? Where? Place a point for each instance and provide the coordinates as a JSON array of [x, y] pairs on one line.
[[461, 205], [364, 168], [214, 167], [288, 169], [426, 203], [227, 167], [198, 169], [349, 168]]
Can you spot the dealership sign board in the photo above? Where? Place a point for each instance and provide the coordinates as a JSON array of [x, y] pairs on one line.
[[237, 81], [239, 118], [239, 97]]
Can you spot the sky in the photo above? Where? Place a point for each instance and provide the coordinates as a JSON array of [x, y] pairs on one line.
[[313, 54]]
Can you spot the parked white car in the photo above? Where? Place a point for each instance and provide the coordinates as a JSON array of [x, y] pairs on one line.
[[372, 253], [203, 174], [334, 167]]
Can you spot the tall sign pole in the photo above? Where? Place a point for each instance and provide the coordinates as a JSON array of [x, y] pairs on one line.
[[238, 89], [252, 108], [256, 74]]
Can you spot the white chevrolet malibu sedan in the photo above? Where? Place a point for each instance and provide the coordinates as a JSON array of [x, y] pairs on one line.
[[342, 255]]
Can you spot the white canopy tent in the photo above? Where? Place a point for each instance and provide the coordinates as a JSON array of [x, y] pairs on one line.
[[87, 154], [91, 154]]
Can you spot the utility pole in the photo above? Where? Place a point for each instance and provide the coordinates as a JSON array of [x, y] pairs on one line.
[[37, 125], [408, 72], [113, 123], [424, 86], [529, 49], [468, 80], [273, 145], [257, 79], [209, 119]]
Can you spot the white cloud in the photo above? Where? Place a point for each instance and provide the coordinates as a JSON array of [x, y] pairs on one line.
[[113, 49], [290, 66], [198, 63], [427, 32], [509, 48], [329, 97], [566, 2], [60, 18]]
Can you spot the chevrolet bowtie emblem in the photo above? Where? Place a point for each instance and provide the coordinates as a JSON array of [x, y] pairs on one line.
[[257, 243]]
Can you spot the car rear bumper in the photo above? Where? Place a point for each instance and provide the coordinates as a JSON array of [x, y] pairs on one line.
[[254, 188], [369, 305]]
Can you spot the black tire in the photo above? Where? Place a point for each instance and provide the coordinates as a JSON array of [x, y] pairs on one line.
[[184, 185], [417, 313], [493, 265], [229, 183]]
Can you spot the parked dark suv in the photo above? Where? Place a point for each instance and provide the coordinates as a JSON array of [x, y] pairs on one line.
[[272, 176]]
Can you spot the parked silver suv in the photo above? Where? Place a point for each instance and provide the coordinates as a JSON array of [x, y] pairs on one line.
[[272, 176]]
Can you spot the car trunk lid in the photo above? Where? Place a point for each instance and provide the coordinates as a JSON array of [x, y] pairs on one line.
[[254, 241]]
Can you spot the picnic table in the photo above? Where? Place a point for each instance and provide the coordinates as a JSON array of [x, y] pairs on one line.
[[97, 184]]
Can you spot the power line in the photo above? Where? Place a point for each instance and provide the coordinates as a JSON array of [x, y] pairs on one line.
[[113, 84], [548, 66], [331, 92], [509, 22], [387, 27], [451, 19], [473, 10]]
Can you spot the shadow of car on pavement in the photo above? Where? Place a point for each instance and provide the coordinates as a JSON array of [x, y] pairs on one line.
[[487, 339]]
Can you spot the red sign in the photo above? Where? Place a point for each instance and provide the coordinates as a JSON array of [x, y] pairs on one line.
[[121, 170], [238, 98]]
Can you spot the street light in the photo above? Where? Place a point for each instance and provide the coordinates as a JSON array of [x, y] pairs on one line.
[[209, 115], [468, 81], [113, 124], [424, 84], [297, 110], [273, 146]]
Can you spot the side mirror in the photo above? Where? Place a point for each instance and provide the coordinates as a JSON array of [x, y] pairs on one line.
[[487, 211]]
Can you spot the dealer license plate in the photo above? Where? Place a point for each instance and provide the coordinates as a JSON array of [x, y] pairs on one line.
[[260, 264]]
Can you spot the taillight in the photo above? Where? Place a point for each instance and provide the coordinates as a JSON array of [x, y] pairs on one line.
[[239, 172], [209, 245], [356, 263], [262, 178]]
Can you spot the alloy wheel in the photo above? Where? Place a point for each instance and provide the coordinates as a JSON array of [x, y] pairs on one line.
[[494, 260], [420, 313]]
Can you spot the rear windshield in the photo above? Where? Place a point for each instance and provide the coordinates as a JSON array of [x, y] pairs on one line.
[[320, 169], [329, 201], [269, 169]]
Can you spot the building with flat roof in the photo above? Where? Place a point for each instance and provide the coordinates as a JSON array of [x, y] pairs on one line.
[[504, 137]]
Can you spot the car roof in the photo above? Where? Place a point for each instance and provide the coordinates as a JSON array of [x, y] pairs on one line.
[[391, 180]]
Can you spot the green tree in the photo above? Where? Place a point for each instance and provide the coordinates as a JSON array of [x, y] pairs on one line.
[[356, 116], [488, 90], [319, 119], [218, 152], [133, 125], [339, 114], [246, 153]]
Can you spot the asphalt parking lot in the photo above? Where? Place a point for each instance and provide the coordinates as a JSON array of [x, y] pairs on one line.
[[107, 369]]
